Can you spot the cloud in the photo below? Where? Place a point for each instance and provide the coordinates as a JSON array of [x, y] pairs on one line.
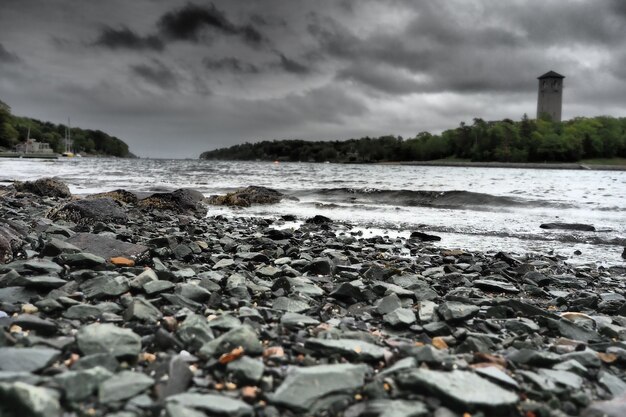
[[156, 74], [191, 21], [8, 57], [292, 66], [231, 64], [124, 38]]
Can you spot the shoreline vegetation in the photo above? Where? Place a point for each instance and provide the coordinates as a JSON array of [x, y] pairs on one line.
[[114, 303], [15, 130], [598, 142]]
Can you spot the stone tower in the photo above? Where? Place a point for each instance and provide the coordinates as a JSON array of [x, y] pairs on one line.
[[550, 99]]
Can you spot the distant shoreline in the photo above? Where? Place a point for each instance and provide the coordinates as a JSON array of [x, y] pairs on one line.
[[525, 165]]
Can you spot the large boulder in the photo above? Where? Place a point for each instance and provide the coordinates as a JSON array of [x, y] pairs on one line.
[[180, 201], [122, 196], [46, 187], [247, 196], [90, 211]]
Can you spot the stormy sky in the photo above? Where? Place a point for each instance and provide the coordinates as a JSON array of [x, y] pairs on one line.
[[175, 78]]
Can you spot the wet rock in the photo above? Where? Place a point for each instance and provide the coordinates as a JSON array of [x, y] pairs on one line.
[[290, 305], [453, 311], [120, 195], [616, 386], [569, 226], [33, 359], [246, 370], [349, 348], [295, 320], [466, 390], [40, 282], [425, 237], [37, 324], [495, 286], [243, 336], [388, 304], [122, 386], [45, 187], [180, 201], [400, 317], [54, 247], [142, 310], [79, 385], [86, 212], [319, 266], [217, 405], [318, 219], [195, 331], [247, 196], [21, 400], [108, 338], [304, 386], [106, 247], [11, 241], [81, 260]]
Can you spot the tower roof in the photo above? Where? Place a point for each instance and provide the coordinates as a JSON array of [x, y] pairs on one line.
[[551, 74]]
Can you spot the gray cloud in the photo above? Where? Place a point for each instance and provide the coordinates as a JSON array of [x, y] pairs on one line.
[[231, 64], [156, 73], [8, 57], [191, 21], [229, 72], [123, 37]]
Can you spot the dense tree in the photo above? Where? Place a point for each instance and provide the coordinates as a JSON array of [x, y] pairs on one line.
[[14, 129], [507, 141]]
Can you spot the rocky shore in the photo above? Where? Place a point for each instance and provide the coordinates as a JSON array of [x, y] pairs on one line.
[[112, 305]]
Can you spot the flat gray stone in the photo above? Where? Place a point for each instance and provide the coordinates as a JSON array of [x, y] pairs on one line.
[[388, 408], [400, 317], [465, 389], [78, 385], [122, 386], [33, 359], [304, 386], [246, 370], [295, 320], [453, 311], [350, 348], [108, 338], [106, 247], [212, 404], [290, 305], [495, 286]]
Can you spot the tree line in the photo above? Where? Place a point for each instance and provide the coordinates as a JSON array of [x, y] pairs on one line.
[[14, 130], [526, 140]]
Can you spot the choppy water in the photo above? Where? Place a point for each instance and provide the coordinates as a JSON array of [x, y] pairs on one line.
[[489, 209]]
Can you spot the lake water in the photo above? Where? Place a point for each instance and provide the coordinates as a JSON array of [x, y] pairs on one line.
[[487, 209]]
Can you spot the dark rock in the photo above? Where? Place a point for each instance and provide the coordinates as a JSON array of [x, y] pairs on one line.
[[400, 317], [79, 385], [86, 212], [465, 390], [106, 247], [246, 370], [22, 400], [179, 377], [304, 386], [453, 311], [569, 226], [216, 405], [180, 201], [290, 305], [108, 338], [54, 247], [243, 336], [295, 320], [37, 324], [318, 219], [45, 187], [495, 286], [122, 196], [81, 260], [425, 237], [142, 310], [195, 331], [247, 196], [388, 408], [122, 386], [11, 241], [319, 266], [26, 359]]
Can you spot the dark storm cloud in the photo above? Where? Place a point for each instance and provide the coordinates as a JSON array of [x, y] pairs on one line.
[[230, 71], [191, 21], [231, 64], [156, 73], [8, 57], [123, 37], [293, 66]]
